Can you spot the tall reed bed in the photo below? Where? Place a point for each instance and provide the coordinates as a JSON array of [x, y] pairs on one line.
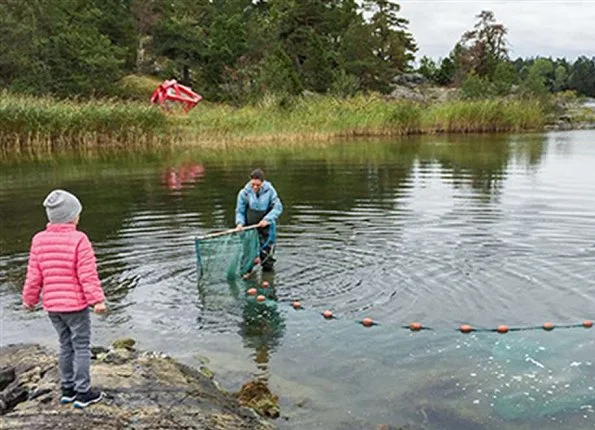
[[33, 123], [496, 115], [43, 124], [324, 117]]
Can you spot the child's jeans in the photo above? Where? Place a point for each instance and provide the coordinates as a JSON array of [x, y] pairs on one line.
[[74, 332]]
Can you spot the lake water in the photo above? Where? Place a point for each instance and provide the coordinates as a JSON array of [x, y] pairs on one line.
[[484, 230]]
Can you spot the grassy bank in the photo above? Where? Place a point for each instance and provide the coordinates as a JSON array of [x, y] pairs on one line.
[[361, 116], [32, 124]]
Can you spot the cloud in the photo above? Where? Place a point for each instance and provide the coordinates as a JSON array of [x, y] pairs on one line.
[[535, 28]]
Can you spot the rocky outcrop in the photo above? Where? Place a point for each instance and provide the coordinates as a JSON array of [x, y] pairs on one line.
[[415, 87], [572, 114], [143, 390]]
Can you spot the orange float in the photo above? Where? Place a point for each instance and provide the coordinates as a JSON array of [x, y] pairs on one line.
[[327, 314], [502, 329], [260, 298], [265, 284], [548, 326], [296, 305], [466, 328], [367, 322], [415, 326], [251, 292], [587, 324]]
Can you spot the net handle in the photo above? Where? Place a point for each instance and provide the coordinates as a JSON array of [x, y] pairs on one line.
[[230, 231]]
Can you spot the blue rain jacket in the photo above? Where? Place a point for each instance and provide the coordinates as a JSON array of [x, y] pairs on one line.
[[266, 201]]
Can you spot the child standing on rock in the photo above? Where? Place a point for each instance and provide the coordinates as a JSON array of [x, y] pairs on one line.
[[63, 269]]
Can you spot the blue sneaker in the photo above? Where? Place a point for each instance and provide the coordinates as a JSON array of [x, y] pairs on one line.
[[68, 395], [85, 399]]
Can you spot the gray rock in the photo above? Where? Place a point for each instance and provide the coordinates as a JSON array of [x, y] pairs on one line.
[[405, 93], [410, 79], [7, 375], [97, 350], [141, 392]]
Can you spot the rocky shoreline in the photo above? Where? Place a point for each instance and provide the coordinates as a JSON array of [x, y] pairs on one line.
[[143, 390], [572, 113]]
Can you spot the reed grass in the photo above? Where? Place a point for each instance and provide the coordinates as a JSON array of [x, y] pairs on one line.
[[44, 124], [323, 117], [33, 123]]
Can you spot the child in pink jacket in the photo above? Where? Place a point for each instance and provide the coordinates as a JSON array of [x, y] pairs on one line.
[[63, 270]]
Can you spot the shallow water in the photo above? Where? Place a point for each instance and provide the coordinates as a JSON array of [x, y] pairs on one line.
[[484, 230]]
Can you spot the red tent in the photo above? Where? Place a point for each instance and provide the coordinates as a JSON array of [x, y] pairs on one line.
[[174, 92]]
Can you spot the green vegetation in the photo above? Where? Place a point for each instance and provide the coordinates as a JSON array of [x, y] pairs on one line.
[[238, 51], [481, 65], [33, 123], [368, 116], [228, 50], [268, 69]]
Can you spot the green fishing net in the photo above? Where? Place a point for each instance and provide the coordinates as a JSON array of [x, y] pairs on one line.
[[538, 380], [226, 256]]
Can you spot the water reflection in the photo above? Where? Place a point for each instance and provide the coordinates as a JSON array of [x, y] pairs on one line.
[[142, 227], [185, 175], [262, 326], [337, 178], [486, 229]]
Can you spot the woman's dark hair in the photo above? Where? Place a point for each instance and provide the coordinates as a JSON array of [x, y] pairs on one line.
[[257, 174]]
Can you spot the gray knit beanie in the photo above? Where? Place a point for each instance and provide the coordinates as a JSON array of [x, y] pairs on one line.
[[61, 207]]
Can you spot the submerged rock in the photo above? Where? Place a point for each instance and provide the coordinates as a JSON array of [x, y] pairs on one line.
[[124, 343], [256, 395], [143, 391]]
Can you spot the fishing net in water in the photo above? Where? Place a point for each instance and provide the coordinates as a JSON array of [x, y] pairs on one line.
[[539, 376], [226, 255]]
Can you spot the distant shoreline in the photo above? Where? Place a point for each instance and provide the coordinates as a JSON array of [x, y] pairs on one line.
[[35, 126]]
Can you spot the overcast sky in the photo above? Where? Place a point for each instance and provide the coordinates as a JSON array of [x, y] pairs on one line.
[[545, 28]]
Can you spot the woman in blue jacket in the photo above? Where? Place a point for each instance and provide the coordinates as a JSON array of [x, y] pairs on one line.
[[258, 203]]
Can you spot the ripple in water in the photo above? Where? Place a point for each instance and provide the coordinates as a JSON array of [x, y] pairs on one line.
[[485, 232]]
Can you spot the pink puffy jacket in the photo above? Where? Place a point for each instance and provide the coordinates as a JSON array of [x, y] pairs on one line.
[[62, 267]]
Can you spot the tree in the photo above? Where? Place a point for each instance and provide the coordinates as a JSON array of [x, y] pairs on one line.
[[582, 76], [115, 20], [278, 76], [446, 73], [356, 55], [16, 24], [504, 77], [536, 81], [182, 35], [65, 52], [238, 50], [310, 32], [427, 68], [476, 87], [561, 78], [393, 46], [482, 48], [146, 14]]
